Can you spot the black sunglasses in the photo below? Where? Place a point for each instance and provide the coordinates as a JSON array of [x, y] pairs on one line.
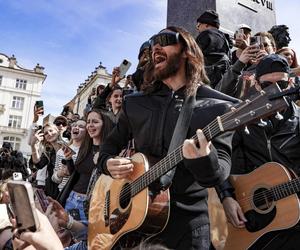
[[282, 84], [165, 38], [58, 123]]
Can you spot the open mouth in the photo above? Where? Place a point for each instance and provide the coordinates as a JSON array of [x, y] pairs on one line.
[[159, 58]]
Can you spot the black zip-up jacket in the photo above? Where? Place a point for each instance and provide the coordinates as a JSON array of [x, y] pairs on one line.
[[278, 141], [150, 119]]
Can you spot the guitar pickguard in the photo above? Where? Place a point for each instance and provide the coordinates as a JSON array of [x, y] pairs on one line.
[[118, 219], [257, 221]]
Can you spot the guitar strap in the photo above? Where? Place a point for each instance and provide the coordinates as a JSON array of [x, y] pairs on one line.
[[178, 137]]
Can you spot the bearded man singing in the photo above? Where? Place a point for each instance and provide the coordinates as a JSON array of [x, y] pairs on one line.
[[176, 72]]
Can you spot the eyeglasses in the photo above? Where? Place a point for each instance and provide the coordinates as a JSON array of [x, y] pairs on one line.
[[58, 123], [282, 84], [165, 39]]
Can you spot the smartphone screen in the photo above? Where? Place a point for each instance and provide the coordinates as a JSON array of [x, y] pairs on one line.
[[42, 199], [39, 104], [240, 34], [22, 202], [124, 66], [64, 144]]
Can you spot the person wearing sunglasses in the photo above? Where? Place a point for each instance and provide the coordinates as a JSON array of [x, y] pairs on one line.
[[275, 139], [62, 124], [174, 73]]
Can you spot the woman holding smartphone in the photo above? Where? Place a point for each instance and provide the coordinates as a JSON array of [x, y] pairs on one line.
[[45, 156], [61, 174], [110, 100]]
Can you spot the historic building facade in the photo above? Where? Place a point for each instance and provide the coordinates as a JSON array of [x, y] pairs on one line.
[[19, 89], [99, 76]]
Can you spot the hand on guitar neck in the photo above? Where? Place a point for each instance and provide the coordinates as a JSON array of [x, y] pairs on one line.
[[234, 213], [194, 149], [120, 167]]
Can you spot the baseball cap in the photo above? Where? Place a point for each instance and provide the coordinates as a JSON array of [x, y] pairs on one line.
[[61, 118], [244, 26]]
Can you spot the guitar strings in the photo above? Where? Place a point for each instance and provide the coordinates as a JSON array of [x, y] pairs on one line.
[[137, 184], [211, 129], [277, 191]]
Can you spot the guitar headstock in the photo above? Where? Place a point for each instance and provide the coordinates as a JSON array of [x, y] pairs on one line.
[[257, 107]]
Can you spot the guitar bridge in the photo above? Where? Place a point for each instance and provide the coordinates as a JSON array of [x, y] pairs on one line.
[[106, 208]]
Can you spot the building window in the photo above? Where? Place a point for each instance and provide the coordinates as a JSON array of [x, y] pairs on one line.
[[14, 141], [21, 84], [17, 102], [1, 80], [14, 121]]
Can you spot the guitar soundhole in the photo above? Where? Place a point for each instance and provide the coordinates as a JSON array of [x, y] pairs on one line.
[[262, 199], [263, 212], [125, 195]]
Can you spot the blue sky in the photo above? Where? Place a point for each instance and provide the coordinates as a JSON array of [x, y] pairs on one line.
[[70, 37]]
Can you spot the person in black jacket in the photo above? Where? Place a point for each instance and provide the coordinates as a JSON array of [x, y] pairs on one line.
[[273, 140], [215, 45], [176, 71]]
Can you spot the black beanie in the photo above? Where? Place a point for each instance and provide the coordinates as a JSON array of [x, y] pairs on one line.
[[271, 63], [210, 17]]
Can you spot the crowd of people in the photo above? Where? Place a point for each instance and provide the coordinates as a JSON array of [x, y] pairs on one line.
[[181, 84]]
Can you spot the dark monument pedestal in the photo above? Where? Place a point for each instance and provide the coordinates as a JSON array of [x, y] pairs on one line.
[[258, 14]]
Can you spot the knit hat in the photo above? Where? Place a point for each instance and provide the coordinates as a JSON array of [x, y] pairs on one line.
[[145, 45], [210, 17], [272, 63]]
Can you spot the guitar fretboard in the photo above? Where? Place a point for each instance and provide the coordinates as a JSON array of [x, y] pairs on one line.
[[170, 161], [286, 189]]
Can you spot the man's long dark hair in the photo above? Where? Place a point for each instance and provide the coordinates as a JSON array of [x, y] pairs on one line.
[[194, 68]]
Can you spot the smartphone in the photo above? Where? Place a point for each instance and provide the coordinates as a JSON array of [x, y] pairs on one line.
[[39, 104], [17, 176], [23, 206], [255, 40], [124, 66], [64, 144], [42, 199], [240, 34]]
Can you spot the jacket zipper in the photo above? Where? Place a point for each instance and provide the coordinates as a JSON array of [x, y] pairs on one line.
[[269, 146], [286, 141]]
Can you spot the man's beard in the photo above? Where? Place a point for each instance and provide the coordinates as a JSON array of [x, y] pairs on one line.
[[171, 68]]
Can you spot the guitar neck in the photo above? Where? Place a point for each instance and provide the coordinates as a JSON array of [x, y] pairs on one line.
[[172, 159], [258, 107], [285, 189]]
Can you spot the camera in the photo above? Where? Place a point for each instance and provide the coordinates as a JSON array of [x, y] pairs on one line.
[[38, 128], [125, 62]]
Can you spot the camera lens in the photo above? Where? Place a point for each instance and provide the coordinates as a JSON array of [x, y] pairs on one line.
[[125, 62]]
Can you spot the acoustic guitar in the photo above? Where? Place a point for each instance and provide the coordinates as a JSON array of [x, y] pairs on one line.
[[269, 201], [126, 211]]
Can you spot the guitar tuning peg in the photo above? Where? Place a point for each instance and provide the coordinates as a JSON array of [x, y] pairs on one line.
[[247, 131], [262, 123], [279, 116]]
